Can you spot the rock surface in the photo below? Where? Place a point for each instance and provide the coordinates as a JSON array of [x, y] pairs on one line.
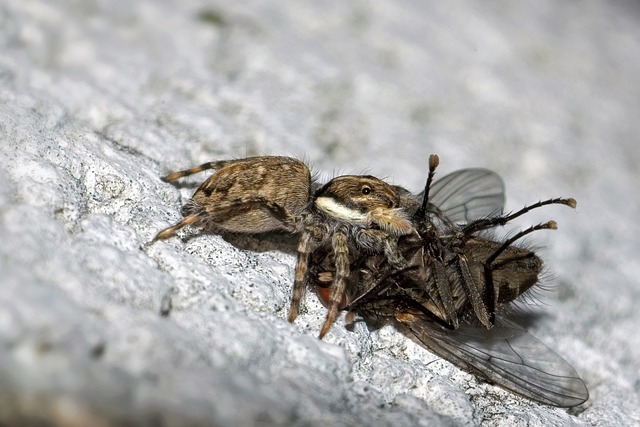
[[99, 98]]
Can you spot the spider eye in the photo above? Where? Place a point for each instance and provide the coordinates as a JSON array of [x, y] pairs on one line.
[[366, 190]]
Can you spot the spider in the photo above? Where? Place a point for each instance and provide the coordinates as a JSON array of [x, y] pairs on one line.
[[354, 215]]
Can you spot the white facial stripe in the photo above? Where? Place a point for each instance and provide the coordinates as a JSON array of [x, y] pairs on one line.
[[338, 210]]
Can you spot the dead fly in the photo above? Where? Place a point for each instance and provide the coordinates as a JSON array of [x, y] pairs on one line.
[[351, 215], [454, 259], [455, 279]]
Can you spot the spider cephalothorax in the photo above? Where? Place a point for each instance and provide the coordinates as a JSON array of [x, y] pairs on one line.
[[351, 214]]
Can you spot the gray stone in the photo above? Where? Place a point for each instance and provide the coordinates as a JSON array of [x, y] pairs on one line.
[[99, 99]]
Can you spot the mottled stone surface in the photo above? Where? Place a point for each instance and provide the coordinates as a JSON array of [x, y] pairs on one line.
[[100, 98]]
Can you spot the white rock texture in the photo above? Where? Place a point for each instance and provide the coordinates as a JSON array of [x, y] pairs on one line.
[[98, 99]]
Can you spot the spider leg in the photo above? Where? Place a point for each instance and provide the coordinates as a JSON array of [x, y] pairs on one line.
[[302, 268], [338, 288], [197, 169], [222, 212], [170, 231]]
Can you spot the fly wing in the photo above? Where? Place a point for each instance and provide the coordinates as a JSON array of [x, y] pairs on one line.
[[468, 194], [506, 355]]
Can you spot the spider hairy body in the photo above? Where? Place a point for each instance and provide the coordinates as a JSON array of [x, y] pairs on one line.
[[252, 195]]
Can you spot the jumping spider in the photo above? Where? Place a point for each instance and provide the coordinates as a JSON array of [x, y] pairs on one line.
[[354, 215]]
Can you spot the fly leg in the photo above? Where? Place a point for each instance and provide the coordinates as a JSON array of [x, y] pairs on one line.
[[486, 223], [483, 307]]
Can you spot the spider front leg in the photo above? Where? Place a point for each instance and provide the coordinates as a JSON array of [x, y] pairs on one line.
[[308, 242], [302, 270], [339, 286]]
